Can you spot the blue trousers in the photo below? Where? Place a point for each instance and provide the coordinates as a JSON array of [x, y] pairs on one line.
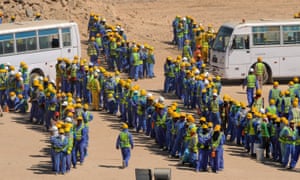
[[202, 159], [177, 146], [34, 110], [2, 97], [78, 147], [251, 142], [50, 115], [180, 43], [57, 161], [79, 89], [288, 154], [216, 161], [26, 91], [250, 96], [148, 126], [141, 123], [216, 118], [295, 156], [94, 59], [150, 71], [68, 162], [63, 161], [160, 136], [126, 155]]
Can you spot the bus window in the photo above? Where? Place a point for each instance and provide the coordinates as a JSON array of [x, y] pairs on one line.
[[291, 34], [66, 35], [26, 41], [6, 44], [266, 35], [48, 38], [240, 42], [222, 39]]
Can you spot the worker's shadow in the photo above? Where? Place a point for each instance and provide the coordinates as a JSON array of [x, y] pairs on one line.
[[110, 166]]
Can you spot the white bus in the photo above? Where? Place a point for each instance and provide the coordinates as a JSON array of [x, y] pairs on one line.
[[39, 44], [238, 45]]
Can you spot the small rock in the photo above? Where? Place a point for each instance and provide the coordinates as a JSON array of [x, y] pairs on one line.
[[29, 12]]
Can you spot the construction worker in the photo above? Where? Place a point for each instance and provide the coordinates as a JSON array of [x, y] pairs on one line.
[[125, 142], [12, 100], [113, 54], [180, 128], [59, 144], [217, 141], [112, 106], [296, 154], [95, 90], [240, 123], [193, 146], [3, 84], [187, 51], [160, 126], [292, 90], [12, 19], [69, 134], [22, 105], [93, 51], [169, 71], [251, 133], [251, 83], [1, 17], [73, 76], [272, 107], [287, 139], [150, 62], [258, 103], [80, 135], [180, 36], [274, 93], [37, 16], [135, 62], [215, 104], [294, 112], [286, 104], [260, 70], [265, 135], [204, 148], [141, 107], [18, 83]]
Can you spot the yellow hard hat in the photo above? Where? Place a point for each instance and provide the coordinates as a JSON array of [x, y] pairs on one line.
[[291, 83], [203, 119], [259, 59], [124, 126], [12, 93], [258, 92], [85, 106], [93, 38], [272, 101], [296, 79], [79, 118], [61, 131], [182, 114], [193, 129], [276, 83], [70, 114], [287, 92], [295, 104], [20, 96], [217, 128], [110, 95], [204, 126], [218, 78], [210, 124], [249, 116], [243, 105], [143, 92], [190, 118]]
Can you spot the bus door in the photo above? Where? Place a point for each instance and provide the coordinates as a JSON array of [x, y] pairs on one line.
[[69, 43], [239, 55]]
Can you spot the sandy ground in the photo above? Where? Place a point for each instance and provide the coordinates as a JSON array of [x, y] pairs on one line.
[[24, 150]]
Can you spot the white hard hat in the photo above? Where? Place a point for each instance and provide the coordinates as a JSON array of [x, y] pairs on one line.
[[121, 29], [54, 128], [41, 78], [65, 103], [206, 74], [262, 110], [91, 64], [184, 19], [206, 82], [197, 72], [184, 59], [149, 95], [215, 94], [251, 70], [161, 99], [68, 119]]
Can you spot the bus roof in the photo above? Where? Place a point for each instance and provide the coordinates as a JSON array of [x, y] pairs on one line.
[[262, 22], [12, 27]]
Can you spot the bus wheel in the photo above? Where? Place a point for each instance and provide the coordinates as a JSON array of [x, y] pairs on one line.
[[267, 76]]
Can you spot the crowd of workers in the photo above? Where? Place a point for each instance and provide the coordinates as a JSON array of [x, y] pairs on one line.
[[63, 106], [120, 54], [274, 128]]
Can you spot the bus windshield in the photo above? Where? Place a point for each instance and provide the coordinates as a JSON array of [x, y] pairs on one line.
[[222, 39]]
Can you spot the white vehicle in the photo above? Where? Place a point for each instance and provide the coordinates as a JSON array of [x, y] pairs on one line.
[[39, 44], [238, 45]]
